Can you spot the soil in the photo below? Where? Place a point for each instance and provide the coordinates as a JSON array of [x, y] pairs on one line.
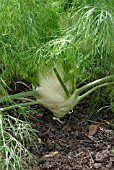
[[75, 143]]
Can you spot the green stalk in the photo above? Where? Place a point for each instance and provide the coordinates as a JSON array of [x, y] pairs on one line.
[[61, 82], [92, 84], [93, 89], [18, 105], [17, 96], [26, 99]]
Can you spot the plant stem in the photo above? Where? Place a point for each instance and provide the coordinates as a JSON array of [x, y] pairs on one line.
[[17, 96], [19, 105], [26, 99], [92, 84], [93, 89], [61, 82]]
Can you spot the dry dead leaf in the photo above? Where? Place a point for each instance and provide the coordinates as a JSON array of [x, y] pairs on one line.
[[92, 130]]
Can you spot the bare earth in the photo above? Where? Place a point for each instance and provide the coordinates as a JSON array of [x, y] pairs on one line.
[[76, 144]]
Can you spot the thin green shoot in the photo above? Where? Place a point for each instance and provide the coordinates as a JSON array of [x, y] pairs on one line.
[[61, 82]]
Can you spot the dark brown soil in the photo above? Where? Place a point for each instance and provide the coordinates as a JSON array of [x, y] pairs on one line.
[[76, 144]]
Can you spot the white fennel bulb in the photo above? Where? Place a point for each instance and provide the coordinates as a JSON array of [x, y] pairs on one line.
[[51, 94]]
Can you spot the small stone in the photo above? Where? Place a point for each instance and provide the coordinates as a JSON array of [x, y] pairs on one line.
[[51, 154], [97, 165], [69, 157]]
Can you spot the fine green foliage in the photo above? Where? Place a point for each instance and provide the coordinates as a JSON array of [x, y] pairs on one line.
[[25, 26], [87, 47], [15, 134], [31, 38]]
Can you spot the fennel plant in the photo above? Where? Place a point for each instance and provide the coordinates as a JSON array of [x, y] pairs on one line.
[[84, 50], [55, 50]]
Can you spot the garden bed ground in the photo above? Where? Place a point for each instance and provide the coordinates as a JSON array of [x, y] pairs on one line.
[[76, 144]]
